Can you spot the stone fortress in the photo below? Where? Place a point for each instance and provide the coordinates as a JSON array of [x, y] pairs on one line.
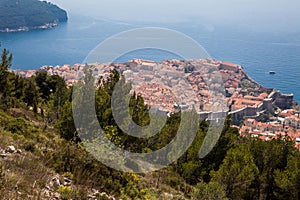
[[213, 88]]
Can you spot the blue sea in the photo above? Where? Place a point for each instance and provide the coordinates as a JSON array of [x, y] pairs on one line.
[[257, 52]]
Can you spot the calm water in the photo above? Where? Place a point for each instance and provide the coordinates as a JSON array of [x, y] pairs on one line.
[[71, 42]]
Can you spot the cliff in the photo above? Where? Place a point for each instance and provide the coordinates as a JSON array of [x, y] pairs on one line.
[[24, 15]]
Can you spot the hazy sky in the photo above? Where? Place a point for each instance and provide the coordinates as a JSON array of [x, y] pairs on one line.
[[262, 14]]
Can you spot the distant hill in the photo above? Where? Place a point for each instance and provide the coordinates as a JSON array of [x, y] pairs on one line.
[[24, 15]]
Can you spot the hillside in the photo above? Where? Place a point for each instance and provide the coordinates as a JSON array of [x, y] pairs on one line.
[[35, 163], [42, 155], [23, 15]]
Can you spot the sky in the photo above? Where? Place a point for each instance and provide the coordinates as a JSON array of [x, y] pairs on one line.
[[255, 14]]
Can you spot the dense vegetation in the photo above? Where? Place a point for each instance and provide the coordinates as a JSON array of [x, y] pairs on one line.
[[15, 14], [36, 116]]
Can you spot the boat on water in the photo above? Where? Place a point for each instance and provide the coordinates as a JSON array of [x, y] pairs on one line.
[[272, 72]]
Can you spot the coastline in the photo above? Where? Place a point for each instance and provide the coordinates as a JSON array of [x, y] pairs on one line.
[[29, 15], [241, 90], [256, 111], [25, 28]]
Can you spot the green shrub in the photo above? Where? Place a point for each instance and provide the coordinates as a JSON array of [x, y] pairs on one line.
[[16, 125], [209, 191], [65, 192], [29, 146]]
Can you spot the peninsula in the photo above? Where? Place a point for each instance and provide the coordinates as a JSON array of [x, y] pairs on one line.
[[156, 82], [25, 15]]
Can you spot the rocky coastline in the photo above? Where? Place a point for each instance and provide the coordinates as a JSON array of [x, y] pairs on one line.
[[244, 97], [26, 15], [25, 28]]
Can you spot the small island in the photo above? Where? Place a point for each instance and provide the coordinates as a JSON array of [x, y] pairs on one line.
[[25, 15]]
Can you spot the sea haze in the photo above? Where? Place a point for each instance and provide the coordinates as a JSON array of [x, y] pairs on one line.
[[257, 52]]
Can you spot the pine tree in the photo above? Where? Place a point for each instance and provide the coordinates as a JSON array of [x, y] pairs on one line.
[[5, 84], [237, 172], [6, 63], [288, 180], [32, 95]]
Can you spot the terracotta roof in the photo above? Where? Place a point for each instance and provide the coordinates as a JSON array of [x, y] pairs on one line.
[[229, 64]]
